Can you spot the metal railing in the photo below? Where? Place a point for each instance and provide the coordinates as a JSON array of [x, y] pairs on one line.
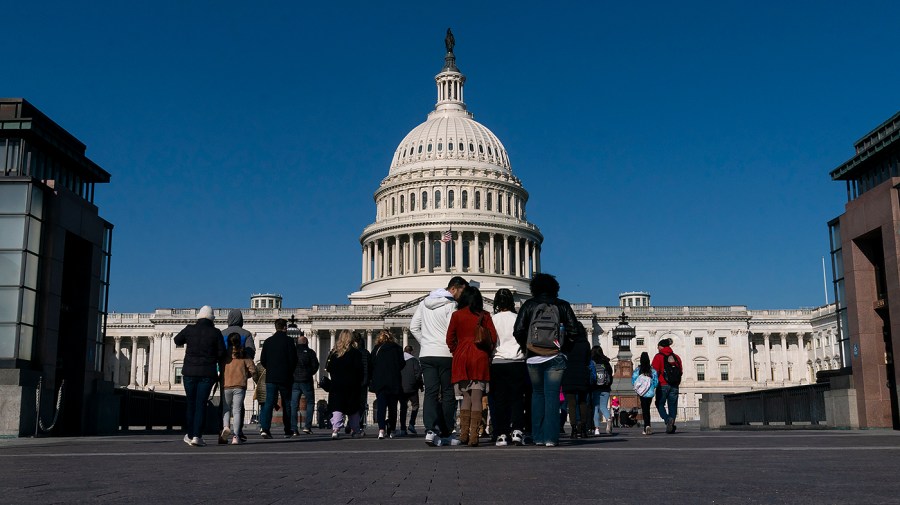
[[787, 406]]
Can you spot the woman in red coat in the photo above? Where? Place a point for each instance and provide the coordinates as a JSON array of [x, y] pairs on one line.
[[471, 369]]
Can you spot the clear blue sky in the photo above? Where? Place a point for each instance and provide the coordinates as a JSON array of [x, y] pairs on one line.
[[680, 148]]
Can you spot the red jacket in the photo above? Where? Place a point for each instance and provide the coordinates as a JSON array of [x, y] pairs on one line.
[[469, 362], [659, 363]]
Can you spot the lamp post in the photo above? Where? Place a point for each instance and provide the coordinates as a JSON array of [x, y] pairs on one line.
[[622, 335], [292, 330]]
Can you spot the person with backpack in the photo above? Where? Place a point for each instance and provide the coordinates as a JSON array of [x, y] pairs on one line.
[[602, 373], [668, 365], [576, 382], [411, 378], [644, 380], [542, 328], [238, 368], [306, 369], [236, 325]]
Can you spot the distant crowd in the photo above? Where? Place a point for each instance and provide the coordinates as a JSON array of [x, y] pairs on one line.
[[515, 377]]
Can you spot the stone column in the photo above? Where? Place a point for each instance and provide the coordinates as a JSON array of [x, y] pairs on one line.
[[527, 259], [368, 339], [405, 337], [458, 256], [133, 381], [537, 257], [799, 362], [117, 364], [428, 252], [768, 374], [332, 334], [444, 263], [152, 351], [506, 255], [784, 357], [410, 253], [473, 253], [395, 257], [364, 251], [491, 257]]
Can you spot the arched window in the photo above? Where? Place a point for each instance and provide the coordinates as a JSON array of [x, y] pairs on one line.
[[437, 199], [404, 153], [401, 203], [480, 149], [490, 153], [490, 198], [500, 202], [420, 149], [478, 200], [393, 206], [412, 202], [462, 147], [450, 146], [508, 205], [429, 147], [450, 199], [471, 147], [440, 146], [465, 199], [424, 200]]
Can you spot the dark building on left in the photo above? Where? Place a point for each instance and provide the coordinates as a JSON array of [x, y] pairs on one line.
[[54, 278]]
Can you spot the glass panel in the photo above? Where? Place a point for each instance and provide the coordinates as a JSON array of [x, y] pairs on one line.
[[838, 260], [7, 341], [12, 232], [13, 198], [9, 304], [31, 270], [37, 202], [26, 337], [10, 268], [28, 306], [34, 235]]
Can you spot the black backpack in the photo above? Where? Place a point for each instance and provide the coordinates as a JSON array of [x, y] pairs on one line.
[[672, 371], [543, 332]]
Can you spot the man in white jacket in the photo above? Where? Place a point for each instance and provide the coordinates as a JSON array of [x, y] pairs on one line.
[[429, 326]]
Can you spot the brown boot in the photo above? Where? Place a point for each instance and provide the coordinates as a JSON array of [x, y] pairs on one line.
[[465, 417], [474, 423]]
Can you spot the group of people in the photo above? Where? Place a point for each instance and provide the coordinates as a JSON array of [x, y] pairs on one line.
[[523, 366]]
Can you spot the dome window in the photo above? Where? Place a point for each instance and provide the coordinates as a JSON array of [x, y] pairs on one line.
[[440, 147], [478, 200], [462, 147], [404, 153], [424, 200], [490, 153], [449, 146], [480, 149], [450, 199], [401, 203], [437, 199], [393, 206], [488, 201], [420, 149], [465, 199], [471, 147], [412, 202], [429, 147]]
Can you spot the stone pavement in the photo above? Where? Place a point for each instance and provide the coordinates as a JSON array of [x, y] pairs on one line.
[[740, 467]]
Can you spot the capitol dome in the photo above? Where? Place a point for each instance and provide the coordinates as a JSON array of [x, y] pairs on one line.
[[450, 205]]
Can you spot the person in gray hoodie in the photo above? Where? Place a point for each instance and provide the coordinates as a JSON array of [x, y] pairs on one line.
[[429, 325], [236, 325]]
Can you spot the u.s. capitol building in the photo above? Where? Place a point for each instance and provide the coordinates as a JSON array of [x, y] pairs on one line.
[[451, 205]]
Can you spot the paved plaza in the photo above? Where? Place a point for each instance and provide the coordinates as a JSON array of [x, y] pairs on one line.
[[691, 466]]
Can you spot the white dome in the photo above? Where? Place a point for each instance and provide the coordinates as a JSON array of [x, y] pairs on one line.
[[449, 136]]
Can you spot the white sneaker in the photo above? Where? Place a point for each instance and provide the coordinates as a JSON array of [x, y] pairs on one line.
[[432, 439], [187, 439], [198, 441], [501, 441], [334, 435], [596, 432], [380, 434], [517, 437], [550, 444], [454, 441]]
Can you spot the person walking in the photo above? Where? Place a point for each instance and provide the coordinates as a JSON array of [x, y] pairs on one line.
[[644, 380], [508, 375], [203, 355], [279, 358], [306, 369], [411, 380], [576, 382], [601, 388], [236, 325], [614, 403], [669, 368], [345, 367], [238, 368], [360, 344], [543, 327], [471, 364], [429, 326], [387, 382]]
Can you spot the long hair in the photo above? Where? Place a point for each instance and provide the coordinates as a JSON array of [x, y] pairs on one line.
[[597, 355], [385, 336], [471, 298], [235, 349], [345, 340], [645, 367], [504, 301]]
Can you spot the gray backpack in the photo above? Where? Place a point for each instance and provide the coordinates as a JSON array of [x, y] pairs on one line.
[[544, 336]]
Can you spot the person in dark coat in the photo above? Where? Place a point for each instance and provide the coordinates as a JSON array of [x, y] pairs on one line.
[[204, 353], [345, 367], [236, 325], [576, 382], [387, 364], [279, 358]]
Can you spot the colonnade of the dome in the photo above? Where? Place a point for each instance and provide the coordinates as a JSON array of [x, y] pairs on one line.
[[457, 196], [467, 251]]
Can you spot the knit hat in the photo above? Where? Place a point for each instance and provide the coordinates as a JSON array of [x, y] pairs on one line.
[[206, 312], [666, 342]]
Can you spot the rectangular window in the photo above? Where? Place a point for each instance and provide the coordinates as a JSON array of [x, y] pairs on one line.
[[698, 340], [723, 340], [639, 341], [701, 372], [178, 375], [723, 371]]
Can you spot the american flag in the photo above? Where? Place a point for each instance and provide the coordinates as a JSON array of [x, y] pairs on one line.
[[447, 236]]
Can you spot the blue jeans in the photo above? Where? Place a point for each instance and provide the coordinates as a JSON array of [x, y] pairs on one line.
[[546, 378], [305, 389], [440, 400], [272, 393], [197, 390], [667, 398], [601, 406]]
